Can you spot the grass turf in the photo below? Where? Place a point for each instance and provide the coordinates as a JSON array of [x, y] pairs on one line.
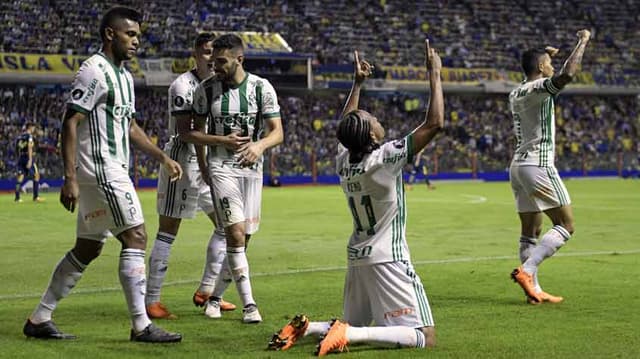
[[463, 239]]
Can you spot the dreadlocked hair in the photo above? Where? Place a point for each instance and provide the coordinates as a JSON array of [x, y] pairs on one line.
[[354, 133]]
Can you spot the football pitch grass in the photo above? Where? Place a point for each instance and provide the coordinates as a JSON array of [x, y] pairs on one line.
[[463, 239]]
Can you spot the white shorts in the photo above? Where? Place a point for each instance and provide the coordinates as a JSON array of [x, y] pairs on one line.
[[182, 198], [537, 189], [238, 200], [388, 294], [110, 208]]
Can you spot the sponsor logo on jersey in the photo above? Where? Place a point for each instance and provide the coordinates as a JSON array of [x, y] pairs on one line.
[[236, 120], [77, 94], [178, 101], [398, 313], [350, 171], [122, 111], [395, 158], [91, 90], [95, 214]]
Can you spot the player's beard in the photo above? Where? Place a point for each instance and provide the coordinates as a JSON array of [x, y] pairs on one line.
[[228, 76]]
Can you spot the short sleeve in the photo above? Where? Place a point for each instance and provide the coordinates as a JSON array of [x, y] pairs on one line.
[[396, 154], [200, 105], [180, 98], [86, 89], [270, 106]]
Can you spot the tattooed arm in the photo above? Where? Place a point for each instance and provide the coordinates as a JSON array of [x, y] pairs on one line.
[[572, 65]]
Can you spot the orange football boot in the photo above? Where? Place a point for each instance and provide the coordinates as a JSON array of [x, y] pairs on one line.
[[525, 281], [336, 339], [288, 335], [546, 298], [200, 299], [157, 310]]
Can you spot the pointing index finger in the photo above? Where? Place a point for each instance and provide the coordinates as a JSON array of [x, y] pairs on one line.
[[356, 57], [427, 47]]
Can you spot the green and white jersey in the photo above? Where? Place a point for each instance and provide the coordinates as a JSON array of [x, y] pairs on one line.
[[375, 196], [104, 93], [180, 103], [534, 124], [242, 109]]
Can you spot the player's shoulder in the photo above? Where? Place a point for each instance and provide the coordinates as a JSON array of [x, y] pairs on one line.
[[94, 64], [399, 144], [184, 81], [254, 80]]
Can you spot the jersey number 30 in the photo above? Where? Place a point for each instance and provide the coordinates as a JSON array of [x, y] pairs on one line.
[[368, 209]]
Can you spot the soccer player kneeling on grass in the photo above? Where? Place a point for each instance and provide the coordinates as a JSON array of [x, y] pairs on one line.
[[381, 285]]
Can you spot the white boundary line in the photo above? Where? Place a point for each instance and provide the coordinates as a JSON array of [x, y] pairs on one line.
[[341, 268]]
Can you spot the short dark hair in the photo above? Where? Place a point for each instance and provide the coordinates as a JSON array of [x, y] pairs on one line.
[[531, 59], [228, 42], [203, 38], [354, 133], [116, 13]]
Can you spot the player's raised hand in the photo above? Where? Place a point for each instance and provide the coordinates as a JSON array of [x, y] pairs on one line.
[[432, 58], [362, 69], [173, 168], [584, 35], [69, 194], [551, 51]]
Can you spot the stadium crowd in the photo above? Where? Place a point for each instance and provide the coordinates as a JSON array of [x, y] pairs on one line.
[[595, 129], [473, 34]]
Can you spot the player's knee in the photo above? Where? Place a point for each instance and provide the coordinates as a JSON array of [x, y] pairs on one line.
[[86, 251], [134, 238], [169, 225], [429, 336], [236, 236]]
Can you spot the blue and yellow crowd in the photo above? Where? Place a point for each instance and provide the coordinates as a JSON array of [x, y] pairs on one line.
[[591, 130]]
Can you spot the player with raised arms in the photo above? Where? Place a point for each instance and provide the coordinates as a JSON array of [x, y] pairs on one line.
[[535, 182], [381, 285]]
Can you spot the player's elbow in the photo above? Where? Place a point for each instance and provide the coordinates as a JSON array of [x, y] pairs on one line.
[[436, 124], [279, 138]]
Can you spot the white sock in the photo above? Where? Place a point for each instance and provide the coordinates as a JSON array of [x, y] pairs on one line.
[[133, 283], [548, 245], [317, 329], [65, 276], [224, 279], [158, 265], [398, 336], [216, 254], [526, 245], [240, 270]]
